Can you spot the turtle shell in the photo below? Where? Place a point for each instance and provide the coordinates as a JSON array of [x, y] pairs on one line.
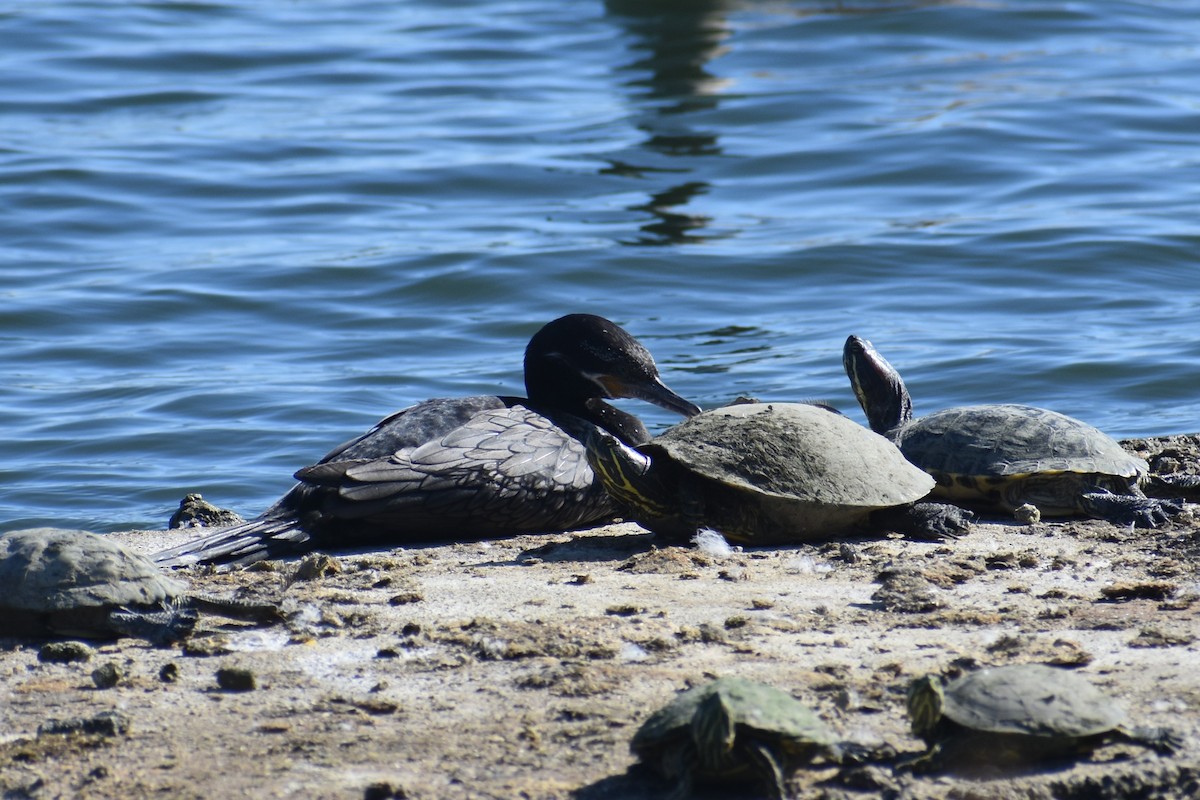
[[781, 472], [52, 569], [1030, 699], [758, 709], [793, 450], [1011, 441]]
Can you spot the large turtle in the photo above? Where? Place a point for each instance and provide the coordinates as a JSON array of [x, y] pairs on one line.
[[770, 473], [732, 729], [1001, 457], [59, 582], [1017, 713]]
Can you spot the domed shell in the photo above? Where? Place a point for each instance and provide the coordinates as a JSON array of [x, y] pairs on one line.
[[1008, 440], [796, 451], [52, 569], [1030, 699], [765, 710]]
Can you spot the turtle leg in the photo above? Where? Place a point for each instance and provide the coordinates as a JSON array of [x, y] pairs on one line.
[[767, 767], [924, 763], [1173, 487], [1163, 741], [160, 627], [928, 521], [1128, 509], [678, 765], [847, 753]]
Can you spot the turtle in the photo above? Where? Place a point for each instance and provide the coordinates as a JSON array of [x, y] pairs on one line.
[[770, 473], [1001, 457], [733, 729], [1018, 713], [73, 583]]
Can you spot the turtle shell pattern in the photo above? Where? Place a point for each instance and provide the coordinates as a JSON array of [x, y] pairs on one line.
[[51, 569], [780, 472], [758, 709], [1011, 441], [1030, 699]]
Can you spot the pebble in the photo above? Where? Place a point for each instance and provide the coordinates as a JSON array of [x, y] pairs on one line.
[[65, 652], [107, 675], [236, 679]]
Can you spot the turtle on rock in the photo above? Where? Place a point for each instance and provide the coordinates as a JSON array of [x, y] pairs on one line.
[[770, 473], [70, 583], [731, 730], [1015, 714], [1004, 457]]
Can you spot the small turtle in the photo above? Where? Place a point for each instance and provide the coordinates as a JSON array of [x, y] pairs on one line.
[[733, 729], [1018, 713], [74, 583], [770, 473], [1002, 457]]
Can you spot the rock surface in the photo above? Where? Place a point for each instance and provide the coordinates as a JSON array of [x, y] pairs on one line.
[[521, 667]]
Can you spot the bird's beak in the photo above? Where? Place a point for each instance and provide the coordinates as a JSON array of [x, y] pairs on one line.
[[655, 392]]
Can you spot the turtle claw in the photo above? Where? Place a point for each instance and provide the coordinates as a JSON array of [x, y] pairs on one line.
[[1163, 741], [854, 754], [926, 521], [1124, 509], [162, 627], [1173, 486]]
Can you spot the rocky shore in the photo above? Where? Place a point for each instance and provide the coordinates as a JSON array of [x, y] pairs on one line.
[[521, 667]]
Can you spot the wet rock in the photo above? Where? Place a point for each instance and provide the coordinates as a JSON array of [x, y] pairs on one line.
[[1156, 637], [207, 646], [1028, 514], [906, 590], [107, 675], [65, 652], [667, 560], [384, 790], [1170, 782], [867, 778], [236, 679], [106, 723], [314, 566], [1144, 590]]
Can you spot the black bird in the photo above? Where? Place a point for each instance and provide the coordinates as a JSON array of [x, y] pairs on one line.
[[468, 467]]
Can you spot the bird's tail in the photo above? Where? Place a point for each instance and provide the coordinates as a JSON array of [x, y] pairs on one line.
[[256, 540]]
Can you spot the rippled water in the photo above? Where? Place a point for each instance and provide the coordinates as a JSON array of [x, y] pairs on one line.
[[233, 235]]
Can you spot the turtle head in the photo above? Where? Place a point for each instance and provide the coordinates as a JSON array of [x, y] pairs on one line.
[[714, 731], [877, 385], [926, 696], [626, 474]]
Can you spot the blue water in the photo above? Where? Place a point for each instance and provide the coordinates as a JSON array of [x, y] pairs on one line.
[[233, 235]]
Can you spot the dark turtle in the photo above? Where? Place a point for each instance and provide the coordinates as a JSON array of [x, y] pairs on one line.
[[78, 584], [1012, 714], [1002, 457], [732, 729], [769, 473]]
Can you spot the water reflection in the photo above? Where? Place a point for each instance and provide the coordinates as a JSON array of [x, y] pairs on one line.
[[674, 40]]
